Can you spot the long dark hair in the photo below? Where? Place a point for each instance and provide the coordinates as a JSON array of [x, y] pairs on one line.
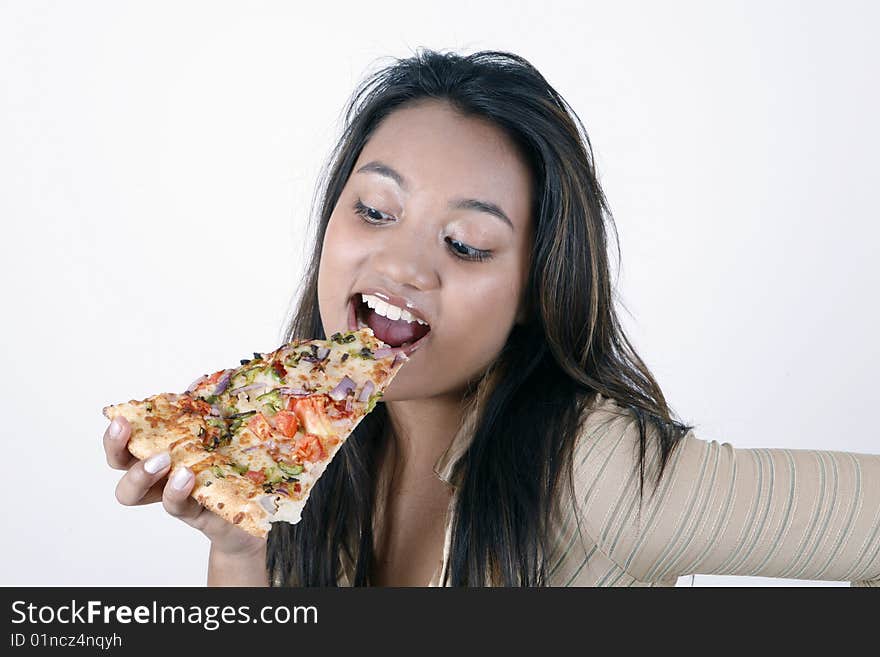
[[529, 405]]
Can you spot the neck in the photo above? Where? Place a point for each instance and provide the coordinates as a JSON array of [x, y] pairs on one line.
[[422, 429]]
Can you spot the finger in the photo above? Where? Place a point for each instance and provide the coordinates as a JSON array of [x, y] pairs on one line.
[[141, 477], [116, 444], [154, 494], [176, 499]]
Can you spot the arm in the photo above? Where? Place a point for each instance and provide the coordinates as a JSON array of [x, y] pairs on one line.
[[791, 513], [237, 570]]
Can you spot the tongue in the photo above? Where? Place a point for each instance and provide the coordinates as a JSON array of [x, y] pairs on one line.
[[395, 333]]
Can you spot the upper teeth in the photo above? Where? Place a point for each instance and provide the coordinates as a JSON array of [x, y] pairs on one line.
[[388, 310]]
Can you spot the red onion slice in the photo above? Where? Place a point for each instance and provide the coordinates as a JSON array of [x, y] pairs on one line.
[[195, 384], [223, 383], [268, 503], [341, 391], [369, 386], [322, 353], [383, 353], [294, 392]]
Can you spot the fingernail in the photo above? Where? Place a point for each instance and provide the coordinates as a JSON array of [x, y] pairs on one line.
[[157, 462], [115, 428], [180, 478]]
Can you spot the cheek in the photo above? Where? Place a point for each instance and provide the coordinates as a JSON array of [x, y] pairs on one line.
[[339, 257], [481, 313], [339, 244]]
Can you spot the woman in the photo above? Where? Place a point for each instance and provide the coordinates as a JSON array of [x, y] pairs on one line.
[[509, 448]]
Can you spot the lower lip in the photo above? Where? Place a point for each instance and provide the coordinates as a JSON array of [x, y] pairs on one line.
[[407, 350]]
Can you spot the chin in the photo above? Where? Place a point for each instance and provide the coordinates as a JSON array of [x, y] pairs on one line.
[[403, 389]]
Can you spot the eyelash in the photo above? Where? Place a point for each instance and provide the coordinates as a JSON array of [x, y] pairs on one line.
[[476, 255]]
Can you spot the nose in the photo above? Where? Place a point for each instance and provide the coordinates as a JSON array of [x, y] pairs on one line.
[[404, 257]]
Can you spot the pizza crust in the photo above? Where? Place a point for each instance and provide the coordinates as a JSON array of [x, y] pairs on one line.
[[233, 500], [157, 423]]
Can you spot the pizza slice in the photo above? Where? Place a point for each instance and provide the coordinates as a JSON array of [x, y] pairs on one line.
[[259, 436]]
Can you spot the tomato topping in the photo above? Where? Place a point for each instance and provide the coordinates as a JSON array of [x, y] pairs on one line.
[[286, 423], [260, 426], [312, 414], [215, 377], [255, 476], [297, 488], [279, 369], [190, 405], [309, 448], [343, 408]]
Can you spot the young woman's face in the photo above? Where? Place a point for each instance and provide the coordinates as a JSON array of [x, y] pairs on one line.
[[428, 195]]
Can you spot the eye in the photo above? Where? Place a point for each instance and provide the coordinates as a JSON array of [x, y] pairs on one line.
[[466, 252], [459, 249], [368, 214]]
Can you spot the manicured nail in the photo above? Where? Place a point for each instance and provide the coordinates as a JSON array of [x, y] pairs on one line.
[[115, 428], [157, 462], [180, 478]]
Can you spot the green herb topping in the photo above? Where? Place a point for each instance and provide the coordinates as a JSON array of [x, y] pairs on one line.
[[290, 471]]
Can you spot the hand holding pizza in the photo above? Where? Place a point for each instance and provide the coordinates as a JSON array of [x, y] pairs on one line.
[[147, 482], [243, 447]]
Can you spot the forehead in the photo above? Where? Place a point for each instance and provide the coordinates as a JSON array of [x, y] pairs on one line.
[[440, 151]]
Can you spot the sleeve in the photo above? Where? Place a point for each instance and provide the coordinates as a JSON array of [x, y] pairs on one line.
[[788, 513]]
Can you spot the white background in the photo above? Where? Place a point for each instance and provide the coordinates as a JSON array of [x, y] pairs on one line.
[[158, 161]]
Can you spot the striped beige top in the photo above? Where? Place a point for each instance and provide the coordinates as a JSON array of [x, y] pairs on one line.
[[789, 513]]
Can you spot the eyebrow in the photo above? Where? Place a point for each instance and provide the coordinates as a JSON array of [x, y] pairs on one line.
[[455, 204]]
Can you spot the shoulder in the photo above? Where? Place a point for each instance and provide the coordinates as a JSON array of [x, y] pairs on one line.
[[608, 426], [624, 524], [600, 413], [608, 449]]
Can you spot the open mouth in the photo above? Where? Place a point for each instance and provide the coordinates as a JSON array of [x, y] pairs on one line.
[[399, 334]]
